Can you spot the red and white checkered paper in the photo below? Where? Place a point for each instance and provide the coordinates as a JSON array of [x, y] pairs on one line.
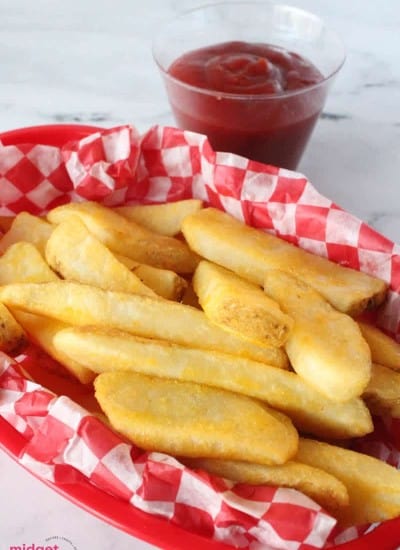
[[64, 442]]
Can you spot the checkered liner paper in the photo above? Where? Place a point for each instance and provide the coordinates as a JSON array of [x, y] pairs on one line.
[[64, 442]]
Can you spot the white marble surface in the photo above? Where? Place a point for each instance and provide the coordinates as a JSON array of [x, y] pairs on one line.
[[89, 61]]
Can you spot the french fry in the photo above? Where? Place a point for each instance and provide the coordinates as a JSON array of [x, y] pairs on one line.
[[384, 350], [128, 262], [23, 263], [79, 304], [102, 350], [164, 219], [29, 228], [250, 253], [325, 346], [323, 488], [373, 485], [193, 420], [128, 238], [164, 282], [12, 337], [78, 256], [382, 394], [239, 306], [42, 331]]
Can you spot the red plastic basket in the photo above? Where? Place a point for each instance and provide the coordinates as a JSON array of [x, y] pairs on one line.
[[116, 512]]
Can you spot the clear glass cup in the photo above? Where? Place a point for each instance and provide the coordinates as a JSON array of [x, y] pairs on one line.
[[270, 128]]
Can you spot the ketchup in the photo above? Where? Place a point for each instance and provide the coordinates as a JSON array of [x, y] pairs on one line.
[[256, 100]]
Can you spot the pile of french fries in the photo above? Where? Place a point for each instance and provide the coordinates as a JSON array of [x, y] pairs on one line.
[[222, 345]]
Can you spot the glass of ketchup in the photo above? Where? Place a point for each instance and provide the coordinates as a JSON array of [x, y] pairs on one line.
[[252, 76]]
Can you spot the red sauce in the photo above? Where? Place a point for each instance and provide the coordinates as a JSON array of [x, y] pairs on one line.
[[273, 128]]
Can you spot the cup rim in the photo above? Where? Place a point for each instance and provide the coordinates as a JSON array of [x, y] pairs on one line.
[[247, 97]]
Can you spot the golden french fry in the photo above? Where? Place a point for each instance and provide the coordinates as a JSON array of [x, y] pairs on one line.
[[164, 219], [103, 350], [384, 350], [23, 263], [325, 346], [29, 228], [128, 262], [323, 488], [250, 253], [193, 420], [382, 394], [239, 306], [78, 256], [128, 238], [79, 304], [42, 331], [373, 485], [12, 336], [164, 282]]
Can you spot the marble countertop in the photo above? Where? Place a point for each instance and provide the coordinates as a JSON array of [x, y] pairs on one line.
[[90, 62]]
